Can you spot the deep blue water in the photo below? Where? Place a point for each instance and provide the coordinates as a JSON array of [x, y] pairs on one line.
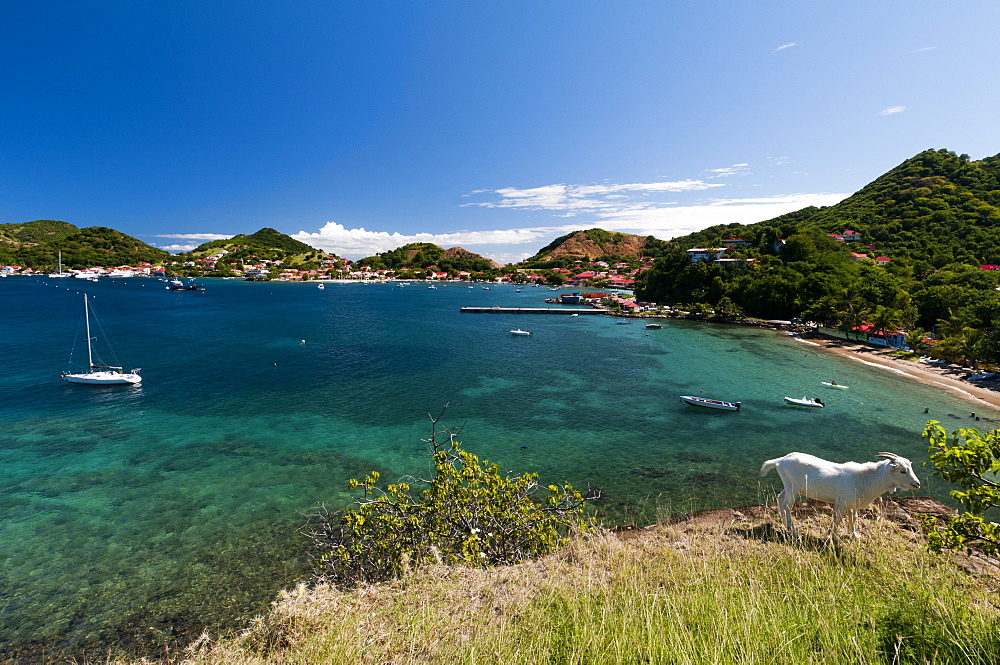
[[129, 515]]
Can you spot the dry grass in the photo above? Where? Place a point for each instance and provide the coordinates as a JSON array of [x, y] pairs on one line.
[[710, 591]]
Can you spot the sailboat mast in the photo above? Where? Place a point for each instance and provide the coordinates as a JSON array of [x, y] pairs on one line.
[[86, 316]]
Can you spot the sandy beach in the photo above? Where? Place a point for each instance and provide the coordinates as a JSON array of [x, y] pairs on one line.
[[947, 377]]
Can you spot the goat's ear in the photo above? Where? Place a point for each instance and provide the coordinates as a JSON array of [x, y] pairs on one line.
[[893, 466]]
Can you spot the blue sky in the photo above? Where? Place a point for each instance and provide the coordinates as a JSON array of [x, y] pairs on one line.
[[497, 126]]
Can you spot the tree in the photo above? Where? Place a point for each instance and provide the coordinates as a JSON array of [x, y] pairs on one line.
[[468, 514], [916, 340], [972, 460]]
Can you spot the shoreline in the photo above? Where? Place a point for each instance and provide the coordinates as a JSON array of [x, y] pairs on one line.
[[945, 377]]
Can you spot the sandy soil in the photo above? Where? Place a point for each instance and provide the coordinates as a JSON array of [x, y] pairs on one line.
[[944, 376]]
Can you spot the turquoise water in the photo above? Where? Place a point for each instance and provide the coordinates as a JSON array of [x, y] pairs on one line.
[[134, 516]]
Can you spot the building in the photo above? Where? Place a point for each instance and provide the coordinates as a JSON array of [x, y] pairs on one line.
[[696, 254]]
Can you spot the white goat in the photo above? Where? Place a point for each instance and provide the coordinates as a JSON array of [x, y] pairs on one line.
[[849, 486]]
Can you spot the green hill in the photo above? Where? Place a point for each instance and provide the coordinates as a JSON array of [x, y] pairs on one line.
[[37, 244], [937, 207], [935, 217], [422, 255], [265, 244]]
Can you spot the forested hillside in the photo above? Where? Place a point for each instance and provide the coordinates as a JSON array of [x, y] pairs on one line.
[[933, 221], [421, 255], [37, 244], [266, 244]]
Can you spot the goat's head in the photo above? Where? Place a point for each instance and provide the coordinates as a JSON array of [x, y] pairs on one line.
[[900, 472]]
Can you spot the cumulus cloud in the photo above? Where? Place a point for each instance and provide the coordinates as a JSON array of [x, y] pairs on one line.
[[892, 110], [784, 46], [663, 220]]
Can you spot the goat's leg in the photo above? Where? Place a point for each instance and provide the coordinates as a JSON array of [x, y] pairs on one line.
[[837, 512], [852, 517], [785, 500]]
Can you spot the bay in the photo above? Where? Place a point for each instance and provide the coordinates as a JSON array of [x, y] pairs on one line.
[[131, 517]]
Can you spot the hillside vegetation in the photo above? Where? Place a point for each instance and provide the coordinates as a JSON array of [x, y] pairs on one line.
[[424, 255], [594, 245], [935, 218], [724, 590], [37, 244]]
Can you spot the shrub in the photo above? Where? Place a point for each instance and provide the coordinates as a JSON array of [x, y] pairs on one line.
[[468, 514], [972, 460]]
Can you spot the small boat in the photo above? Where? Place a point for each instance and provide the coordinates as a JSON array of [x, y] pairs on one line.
[[431, 287], [177, 285], [519, 332], [102, 375], [985, 376], [623, 322], [57, 274], [711, 403], [574, 314], [833, 384], [321, 286], [805, 401], [485, 288], [653, 326]]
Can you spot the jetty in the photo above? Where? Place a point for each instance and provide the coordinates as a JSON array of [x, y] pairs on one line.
[[533, 310]]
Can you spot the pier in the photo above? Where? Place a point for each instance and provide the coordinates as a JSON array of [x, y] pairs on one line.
[[533, 310]]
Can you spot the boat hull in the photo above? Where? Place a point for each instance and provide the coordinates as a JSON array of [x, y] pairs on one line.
[[794, 401], [833, 385], [104, 378], [711, 403]]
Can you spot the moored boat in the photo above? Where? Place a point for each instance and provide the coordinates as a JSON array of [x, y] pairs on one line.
[[711, 403], [653, 326], [805, 401], [102, 375], [519, 332]]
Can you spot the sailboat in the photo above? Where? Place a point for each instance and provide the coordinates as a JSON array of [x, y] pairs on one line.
[[100, 374], [60, 273]]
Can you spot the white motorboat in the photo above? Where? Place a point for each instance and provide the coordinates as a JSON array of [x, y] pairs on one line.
[[711, 403], [519, 332], [321, 286], [98, 374], [805, 401]]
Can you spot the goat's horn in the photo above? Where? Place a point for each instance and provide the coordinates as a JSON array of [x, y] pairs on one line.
[[891, 456]]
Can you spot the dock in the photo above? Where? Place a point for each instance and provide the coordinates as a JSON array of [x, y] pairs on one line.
[[533, 310]]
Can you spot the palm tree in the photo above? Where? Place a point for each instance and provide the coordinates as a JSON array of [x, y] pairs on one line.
[[855, 315], [915, 340], [885, 320], [970, 344]]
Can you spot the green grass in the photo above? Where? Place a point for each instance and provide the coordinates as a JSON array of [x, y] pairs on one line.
[[707, 595]]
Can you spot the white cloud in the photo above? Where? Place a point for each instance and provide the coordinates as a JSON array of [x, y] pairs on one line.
[[195, 236], [576, 199], [735, 169], [177, 248], [357, 243], [891, 110], [662, 220], [924, 49], [784, 46]]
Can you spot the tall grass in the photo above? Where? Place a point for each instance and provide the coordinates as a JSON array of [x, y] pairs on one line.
[[715, 595]]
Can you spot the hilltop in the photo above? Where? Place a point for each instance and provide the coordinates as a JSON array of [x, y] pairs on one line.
[[594, 244], [936, 206], [37, 244], [424, 255]]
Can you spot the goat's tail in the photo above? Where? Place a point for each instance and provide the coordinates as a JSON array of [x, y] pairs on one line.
[[768, 465]]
